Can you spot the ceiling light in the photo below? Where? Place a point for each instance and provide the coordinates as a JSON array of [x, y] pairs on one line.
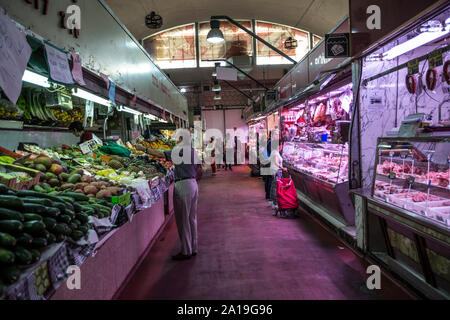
[[215, 70], [129, 110], [183, 90], [215, 35], [413, 43], [36, 79], [216, 87], [217, 97], [80, 93]]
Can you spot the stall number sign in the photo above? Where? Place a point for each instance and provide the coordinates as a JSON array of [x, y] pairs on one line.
[[413, 67], [89, 146], [435, 59]]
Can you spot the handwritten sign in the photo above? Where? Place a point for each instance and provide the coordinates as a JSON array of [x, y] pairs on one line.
[[89, 146], [77, 70], [112, 92], [58, 65], [435, 59], [14, 55], [413, 67]]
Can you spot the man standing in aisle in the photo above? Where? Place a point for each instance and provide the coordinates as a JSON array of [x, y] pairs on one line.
[[185, 196]]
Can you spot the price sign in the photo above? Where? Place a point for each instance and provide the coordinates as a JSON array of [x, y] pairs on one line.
[[392, 175], [435, 59], [391, 153], [403, 155], [413, 67], [411, 180], [115, 213], [89, 146]]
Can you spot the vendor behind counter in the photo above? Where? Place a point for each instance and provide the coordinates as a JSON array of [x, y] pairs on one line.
[[78, 130]]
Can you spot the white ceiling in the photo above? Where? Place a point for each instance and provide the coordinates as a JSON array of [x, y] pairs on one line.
[[317, 16]]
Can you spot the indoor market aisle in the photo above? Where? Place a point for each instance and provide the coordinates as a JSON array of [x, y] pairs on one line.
[[246, 253]]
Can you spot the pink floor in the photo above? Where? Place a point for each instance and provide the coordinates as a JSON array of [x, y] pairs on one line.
[[245, 253]]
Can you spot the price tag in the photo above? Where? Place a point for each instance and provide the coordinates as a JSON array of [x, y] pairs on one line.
[[403, 155], [89, 146], [435, 59], [448, 160], [392, 175], [413, 67], [391, 154], [411, 180]]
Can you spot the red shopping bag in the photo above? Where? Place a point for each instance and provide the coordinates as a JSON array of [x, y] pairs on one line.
[[286, 194]]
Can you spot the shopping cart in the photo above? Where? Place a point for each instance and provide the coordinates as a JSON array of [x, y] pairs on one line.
[[287, 198]]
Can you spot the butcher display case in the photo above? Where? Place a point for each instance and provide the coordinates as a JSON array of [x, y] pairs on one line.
[[320, 171], [408, 220]]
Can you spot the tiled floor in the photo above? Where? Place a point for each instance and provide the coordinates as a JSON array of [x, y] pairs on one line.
[[246, 253]]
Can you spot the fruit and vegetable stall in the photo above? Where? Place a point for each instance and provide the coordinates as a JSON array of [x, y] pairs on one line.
[[58, 203]]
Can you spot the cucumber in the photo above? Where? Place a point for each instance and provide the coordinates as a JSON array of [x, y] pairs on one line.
[[45, 234], [12, 227], [39, 243], [77, 222], [23, 256], [61, 228], [39, 189], [6, 257], [34, 208], [7, 240], [76, 235], [50, 223], [3, 189], [67, 199], [24, 240], [76, 196], [36, 255], [10, 274], [35, 228], [32, 217], [77, 207], [73, 226], [8, 214], [11, 202], [82, 217], [64, 218], [42, 201], [34, 194], [51, 238]]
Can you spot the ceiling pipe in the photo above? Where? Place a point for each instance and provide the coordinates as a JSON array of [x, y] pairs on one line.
[[216, 18]]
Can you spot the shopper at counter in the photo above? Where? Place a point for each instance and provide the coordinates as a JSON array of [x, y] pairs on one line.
[[79, 131], [185, 198]]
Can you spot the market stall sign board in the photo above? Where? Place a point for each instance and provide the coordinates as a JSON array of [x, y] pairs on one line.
[[337, 45]]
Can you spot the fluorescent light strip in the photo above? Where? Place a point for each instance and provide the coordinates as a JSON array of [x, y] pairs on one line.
[[35, 79], [413, 43], [80, 93], [129, 110]]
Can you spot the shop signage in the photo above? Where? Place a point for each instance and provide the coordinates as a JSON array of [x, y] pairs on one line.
[[435, 59], [337, 45], [413, 67], [14, 55], [373, 19], [89, 146]]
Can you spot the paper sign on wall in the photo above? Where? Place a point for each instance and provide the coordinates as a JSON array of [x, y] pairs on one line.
[[89, 113], [14, 55], [77, 70], [228, 74], [58, 65]]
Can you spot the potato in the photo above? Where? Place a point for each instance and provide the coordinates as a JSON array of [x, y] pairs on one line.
[[90, 190]]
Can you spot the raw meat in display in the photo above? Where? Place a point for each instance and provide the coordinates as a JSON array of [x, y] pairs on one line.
[[422, 197]]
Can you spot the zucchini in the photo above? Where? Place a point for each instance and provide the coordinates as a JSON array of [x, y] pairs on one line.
[[51, 238], [73, 226], [6, 257], [61, 228], [60, 238], [12, 227], [42, 201], [35, 228], [77, 207], [50, 223], [11, 202], [39, 243], [52, 212], [7, 240], [84, 218], [34, 208], [67, 199], [32, 217], [83, 229], [10, 274], [77, 222], [61, 207], [23, 256], [3, 189], [34, 194], [36, 255], [64, 218], [76, 235], [8, 214], [24, 240]]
